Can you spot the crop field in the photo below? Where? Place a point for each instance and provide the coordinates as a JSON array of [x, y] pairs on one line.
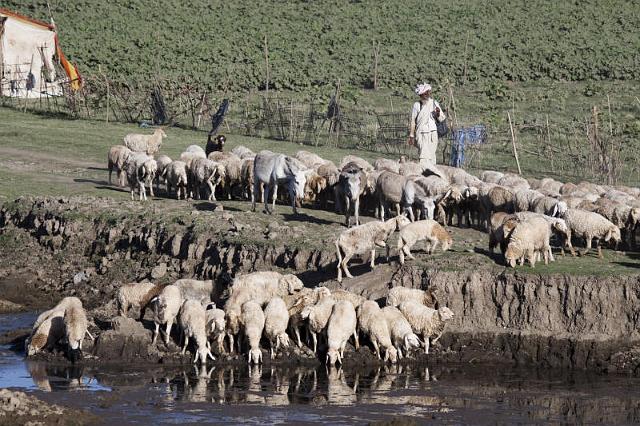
[[221, 44]]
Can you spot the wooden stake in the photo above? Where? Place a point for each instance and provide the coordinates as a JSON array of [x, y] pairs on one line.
[[464, 73], [513, 142], [610, 122]]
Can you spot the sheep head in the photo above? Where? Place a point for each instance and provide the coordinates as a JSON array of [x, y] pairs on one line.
[[202, 353], [391, 354], [513, 253], [291, 283], [411, 341], [445, 313], [333, 356], [255, 356], [427, 205], [297, 183], [283, 339], [613, 234], [401, 221]]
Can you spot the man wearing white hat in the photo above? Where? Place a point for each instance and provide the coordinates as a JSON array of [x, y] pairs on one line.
[[423, 131]]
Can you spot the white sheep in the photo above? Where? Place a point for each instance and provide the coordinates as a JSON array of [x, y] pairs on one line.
[[426, 322], [428, 230], [247, 180], [310, 159], [276, 320], [402, 335], [215, 321], [388, 165], [232, 169], [203, 171], [166, 307], [414, 196], [524, 199], [355, 299], [360, 162], [116, 160], [243, 152], [196, 149], [176, 176], [76, 328], [530, 236], [200, 291], [318, 316], [491, 176], [399, 294], [342, 325], [47, 333], [149, 144], [253, 321], [549, 206], [137, 296], [265, 285], [410, 168], [188, 157], [192, 321], [557, 226], [63, 305], [141, 169], [363, 239], [162, 163], [589, 225], [297, 302], [372, 323]]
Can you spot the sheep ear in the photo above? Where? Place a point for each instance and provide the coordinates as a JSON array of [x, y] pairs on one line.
[[554, 212], [608, 236]]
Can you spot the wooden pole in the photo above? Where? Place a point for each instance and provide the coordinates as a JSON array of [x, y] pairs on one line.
[[464, 73], [513, 142], [610, 122], [376, 56], [266, 60]]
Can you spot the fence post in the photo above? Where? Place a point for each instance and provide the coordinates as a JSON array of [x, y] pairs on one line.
[[513, 142]]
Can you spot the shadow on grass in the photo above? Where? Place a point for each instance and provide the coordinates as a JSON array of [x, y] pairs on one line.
[[628, 264], [209, 206], [102, 183], [496, 257], [101, 169], [303, 217]]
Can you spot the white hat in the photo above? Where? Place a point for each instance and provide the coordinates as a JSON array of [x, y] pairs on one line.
[[422, 88]]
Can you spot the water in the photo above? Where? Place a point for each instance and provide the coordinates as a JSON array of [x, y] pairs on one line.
[[297, 395]]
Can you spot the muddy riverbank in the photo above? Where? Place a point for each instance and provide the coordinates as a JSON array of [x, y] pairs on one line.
[[87, 247]]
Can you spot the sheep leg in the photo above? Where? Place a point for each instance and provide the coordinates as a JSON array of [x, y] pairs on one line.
[[212, 191], [339, 266], [356, 210], [155, 333], [355, 337], [296, 331], [381, 209], [167, 333], [274, 196], [266, 199], [407, 251], [110, 170], [373, 258], [377, 348], [426, 345], [185, 344], [401, 249], [588, 244], [253, 194], [411, 216], [150, 182], [532, 255], [231, 343], [599, 250], [315, 341]]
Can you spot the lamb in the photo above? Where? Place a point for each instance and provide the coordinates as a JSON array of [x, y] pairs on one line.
[[409, 168], [529, 237], [426, 322], [195, 149], [402, 335], [360, 162], [373, 324], [217, 144], [348, 190], [318, 316], [388, 165], [166, 307], [200, 291], [589, 225], [427, 229], [63, 305], [364, 239], [47, 332], [216, 326], [557, 226], [514, 182], [497, 199], [450, 202], [491, 176], [205, 172], [232, 169], [140, 169], [192, 321], [315, 186], [246, 179], [342, 325], [501, 225], [253, 321], [276, 319], [243, 152], [413, 195], [116, 160], [162, 163], [136, 295], [76, 328], [177, 178], [397, 295], [149, 144], [296, 304]]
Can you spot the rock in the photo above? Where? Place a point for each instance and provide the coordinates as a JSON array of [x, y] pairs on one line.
[[218, 208], [79, 278], [128, 326], [227, 216], [159, 271], [7, 307]]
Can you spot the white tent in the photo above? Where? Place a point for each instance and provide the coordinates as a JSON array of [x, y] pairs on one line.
[[29, 51]]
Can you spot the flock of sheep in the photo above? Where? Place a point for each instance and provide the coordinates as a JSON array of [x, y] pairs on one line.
[[520, 215], [261, 306]]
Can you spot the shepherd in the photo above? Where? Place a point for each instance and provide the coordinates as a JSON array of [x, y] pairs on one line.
[[423, 130]]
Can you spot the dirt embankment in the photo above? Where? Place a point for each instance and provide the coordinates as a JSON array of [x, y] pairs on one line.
[[18, 408], [75, 246]]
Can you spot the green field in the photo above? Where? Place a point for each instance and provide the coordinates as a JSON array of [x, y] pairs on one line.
[[313, 43]]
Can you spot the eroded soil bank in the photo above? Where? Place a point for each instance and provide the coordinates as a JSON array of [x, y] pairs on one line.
[[51, 248]]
